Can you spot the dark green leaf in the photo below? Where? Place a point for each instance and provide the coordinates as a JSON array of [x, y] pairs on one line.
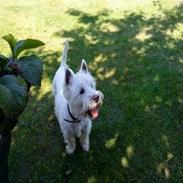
[[11, 41], [30, 68], [13, 96], [3, 61], [26, 44]]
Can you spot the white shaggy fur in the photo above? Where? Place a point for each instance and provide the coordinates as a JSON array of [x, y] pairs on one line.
[[78, 92]]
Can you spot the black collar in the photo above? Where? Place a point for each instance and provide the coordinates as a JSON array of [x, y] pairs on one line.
[[74, 119]]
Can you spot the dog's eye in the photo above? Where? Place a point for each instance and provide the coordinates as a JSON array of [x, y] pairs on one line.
[[82, 91]]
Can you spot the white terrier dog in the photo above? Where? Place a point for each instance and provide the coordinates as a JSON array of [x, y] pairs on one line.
[[76, 102]]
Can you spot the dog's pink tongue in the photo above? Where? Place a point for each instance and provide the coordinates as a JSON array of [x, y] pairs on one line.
[[94, 113]]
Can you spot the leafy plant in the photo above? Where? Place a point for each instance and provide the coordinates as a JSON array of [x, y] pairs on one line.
[[17, 75]]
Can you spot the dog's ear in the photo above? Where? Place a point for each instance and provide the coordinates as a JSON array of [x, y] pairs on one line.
[[83, 67], [68, 76]]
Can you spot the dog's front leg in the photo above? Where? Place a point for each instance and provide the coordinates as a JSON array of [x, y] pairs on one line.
[[70, 143], [84, 139], [78, 131]]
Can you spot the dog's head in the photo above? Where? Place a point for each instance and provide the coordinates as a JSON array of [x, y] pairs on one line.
[[80, 92]]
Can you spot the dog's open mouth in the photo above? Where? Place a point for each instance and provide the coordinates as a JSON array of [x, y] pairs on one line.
[[93, 113]]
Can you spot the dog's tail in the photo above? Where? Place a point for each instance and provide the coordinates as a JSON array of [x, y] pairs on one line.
[[64, 54]]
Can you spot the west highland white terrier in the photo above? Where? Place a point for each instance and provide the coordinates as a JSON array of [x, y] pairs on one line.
[[76, 102]]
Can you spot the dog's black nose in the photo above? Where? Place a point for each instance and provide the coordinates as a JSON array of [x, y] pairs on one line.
[[95, 98]]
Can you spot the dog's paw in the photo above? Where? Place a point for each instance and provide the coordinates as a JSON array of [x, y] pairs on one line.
[[85, 146], [70, 149]]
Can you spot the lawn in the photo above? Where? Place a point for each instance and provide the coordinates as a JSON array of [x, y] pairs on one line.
[[135, 51]]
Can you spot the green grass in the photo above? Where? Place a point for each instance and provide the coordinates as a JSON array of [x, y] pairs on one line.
[[135, 51]]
